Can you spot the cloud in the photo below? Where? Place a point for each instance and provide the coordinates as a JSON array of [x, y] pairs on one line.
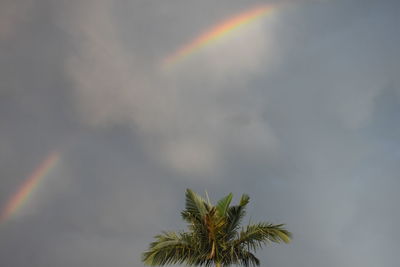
[[112, 87], [13, 13]]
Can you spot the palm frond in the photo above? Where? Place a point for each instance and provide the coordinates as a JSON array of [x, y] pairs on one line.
[[223, 205], [244, 200], [195, 204], [249, 259], [257, 235], [170, 248], [239, 255], [235, 215]]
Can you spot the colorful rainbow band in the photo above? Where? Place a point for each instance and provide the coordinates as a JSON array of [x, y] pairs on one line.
[[25, 191], [217, 32]]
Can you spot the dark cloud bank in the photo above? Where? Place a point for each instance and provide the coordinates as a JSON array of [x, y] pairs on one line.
[[299, 110]]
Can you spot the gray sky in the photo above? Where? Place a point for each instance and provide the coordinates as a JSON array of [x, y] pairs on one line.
[[299, 110]]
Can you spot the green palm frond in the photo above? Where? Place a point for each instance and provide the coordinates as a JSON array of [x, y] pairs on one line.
[[223, 205], [195, 204], [238, 255], [235, 214], [244, 200], [248, 259], [170, 248], [257, 235]]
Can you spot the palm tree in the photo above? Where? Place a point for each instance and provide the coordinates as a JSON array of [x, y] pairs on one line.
[[214, 237]]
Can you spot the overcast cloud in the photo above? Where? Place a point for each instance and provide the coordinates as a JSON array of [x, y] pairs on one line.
[[299, 110]]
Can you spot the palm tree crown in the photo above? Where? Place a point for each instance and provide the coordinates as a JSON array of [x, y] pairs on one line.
[[215, 236]]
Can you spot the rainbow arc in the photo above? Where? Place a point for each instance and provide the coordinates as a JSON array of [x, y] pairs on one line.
[[217, 32], [26, 190]]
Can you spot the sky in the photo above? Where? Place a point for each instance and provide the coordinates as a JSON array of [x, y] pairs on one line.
[[299, 109]]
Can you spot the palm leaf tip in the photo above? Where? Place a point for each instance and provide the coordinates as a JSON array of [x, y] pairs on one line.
[[223, 204], [281, 233], [244, 200], [195, 204]]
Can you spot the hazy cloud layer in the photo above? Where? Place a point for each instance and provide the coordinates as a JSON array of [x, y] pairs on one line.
[[298, 109]]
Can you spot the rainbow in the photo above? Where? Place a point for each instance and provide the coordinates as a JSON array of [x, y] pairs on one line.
[[25, 191], [217, 32]]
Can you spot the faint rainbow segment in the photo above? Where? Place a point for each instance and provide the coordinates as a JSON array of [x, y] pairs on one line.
[[25, 191], [217, 32]]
